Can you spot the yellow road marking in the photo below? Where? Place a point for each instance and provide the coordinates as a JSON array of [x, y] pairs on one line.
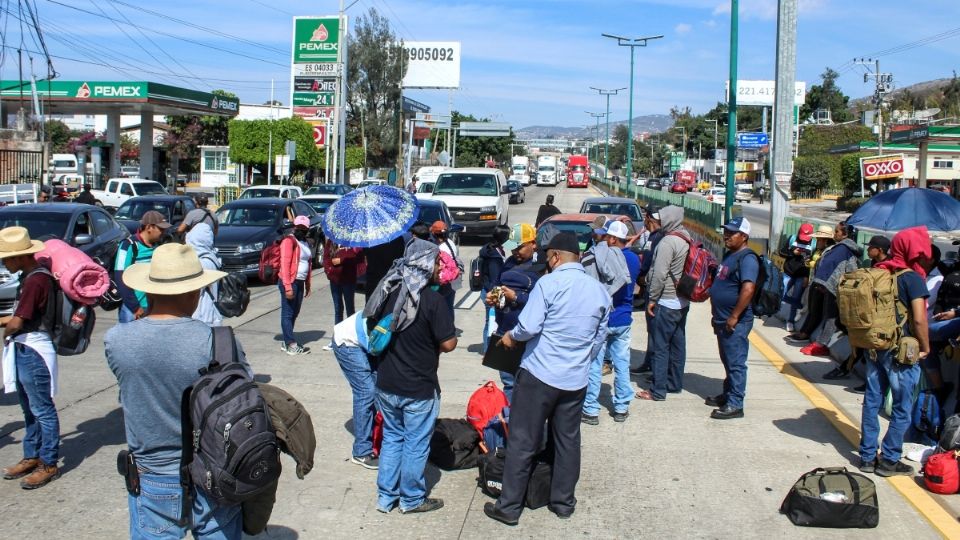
[[938, 516]]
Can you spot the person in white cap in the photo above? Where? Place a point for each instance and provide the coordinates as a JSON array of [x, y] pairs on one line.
[[155, 359], [731, 297]]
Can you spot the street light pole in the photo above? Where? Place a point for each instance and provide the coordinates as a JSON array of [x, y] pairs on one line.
[[606, 142], [598, 116], [732, 111], [633, 44]]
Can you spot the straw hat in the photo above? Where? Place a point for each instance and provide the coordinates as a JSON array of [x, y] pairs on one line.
[[16, 241], [823, 231], [174, 269]]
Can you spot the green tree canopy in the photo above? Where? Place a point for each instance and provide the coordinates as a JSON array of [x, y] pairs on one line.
[[250, 141], [827, 95], [58, 134], [188, 133], [473, 151]]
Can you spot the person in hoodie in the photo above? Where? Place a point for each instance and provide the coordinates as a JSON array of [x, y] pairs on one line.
[[492, 256], [651, 223], [667, 311], [837, 260], [910, 251], [200, 238]]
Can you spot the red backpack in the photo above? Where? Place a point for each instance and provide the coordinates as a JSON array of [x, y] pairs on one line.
[[698, 271], [941, 474], [269, 271], [486, 404]]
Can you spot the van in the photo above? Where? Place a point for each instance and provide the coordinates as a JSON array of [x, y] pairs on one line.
[[477, 197], [743, 193]]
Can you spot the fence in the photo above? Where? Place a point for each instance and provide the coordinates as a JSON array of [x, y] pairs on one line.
[[20, 166]]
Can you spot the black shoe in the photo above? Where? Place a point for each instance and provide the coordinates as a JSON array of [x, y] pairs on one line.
[[643, 368], [862, 389], [836, 373], [726, 412], [562, 515], [589, 420], [620, 416], [893, 468], [868, 466], [494, 513], [718, 400], [428, 505]]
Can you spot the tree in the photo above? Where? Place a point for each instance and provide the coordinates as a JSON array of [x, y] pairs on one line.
[[129, 148], [827, 95], [809, 174], [374, 75], [250, 141], [473, 151], [58, 134], [188, 133]]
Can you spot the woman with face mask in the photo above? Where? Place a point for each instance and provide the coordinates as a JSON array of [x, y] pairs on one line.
[[296, 263]]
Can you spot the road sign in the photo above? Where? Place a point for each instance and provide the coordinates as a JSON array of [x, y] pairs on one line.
[[484, 129], [882, 167], [316, 39], [752, 140], [414, 106], [326, 69], [291, 149], [281, 165]]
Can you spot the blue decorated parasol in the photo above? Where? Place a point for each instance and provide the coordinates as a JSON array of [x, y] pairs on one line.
[[370, 216]]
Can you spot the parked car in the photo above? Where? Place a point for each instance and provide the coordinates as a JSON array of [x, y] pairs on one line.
[[744, 193], [654, 183], [173, 207], [431, 210], [620, 206], [581, 225], [373, 182], [89, 228], [130, 171], [517, 192], [425, 190], [321, 197], [118, 190], [282, 192], [717, 195], [678, 187], [249, 225], [477, 197]]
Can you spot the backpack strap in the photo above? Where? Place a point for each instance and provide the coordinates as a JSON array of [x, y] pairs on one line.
[[224, 347], [898, 306], [186, 458]]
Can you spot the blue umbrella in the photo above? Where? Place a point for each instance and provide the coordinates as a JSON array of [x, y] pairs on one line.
[[370, 216], [899, 209]]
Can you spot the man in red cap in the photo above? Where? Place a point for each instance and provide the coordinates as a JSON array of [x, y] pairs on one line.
[[795, 271]]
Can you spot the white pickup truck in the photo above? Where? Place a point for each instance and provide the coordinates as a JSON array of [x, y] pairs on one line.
[[120, 189]]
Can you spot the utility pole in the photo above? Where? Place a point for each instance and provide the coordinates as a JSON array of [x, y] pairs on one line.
[[883, 83], [782, 151], [606, 142], [633, 44], [598, 116], [732, 111]]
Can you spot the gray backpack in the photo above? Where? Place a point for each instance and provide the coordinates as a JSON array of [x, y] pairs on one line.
[[230, 450], [950, 435]]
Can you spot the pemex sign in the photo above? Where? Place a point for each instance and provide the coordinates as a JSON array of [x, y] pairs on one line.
[[882, 167], [315, 39]]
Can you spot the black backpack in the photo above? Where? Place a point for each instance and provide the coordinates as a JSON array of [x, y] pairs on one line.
[[69, 323], [949, 295], [230, 450], [233, 295], [768, 294], [454, 444]]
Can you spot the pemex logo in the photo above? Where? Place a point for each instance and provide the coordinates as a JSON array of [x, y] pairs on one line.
[[320, 34], [215, 103], [84, 91]]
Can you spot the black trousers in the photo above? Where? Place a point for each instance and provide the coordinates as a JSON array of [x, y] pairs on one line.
[[534, 404]]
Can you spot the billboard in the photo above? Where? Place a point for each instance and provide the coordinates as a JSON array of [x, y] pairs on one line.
[[316, 39], [763, 93], [882, 167], [432, 64]]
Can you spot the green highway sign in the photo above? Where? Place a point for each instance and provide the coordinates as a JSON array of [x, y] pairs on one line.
[[315, 39], [314, 99]]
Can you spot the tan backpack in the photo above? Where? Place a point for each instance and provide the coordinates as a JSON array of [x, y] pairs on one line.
[[870, 309]]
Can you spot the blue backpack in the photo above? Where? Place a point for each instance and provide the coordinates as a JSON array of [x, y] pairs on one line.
[[379, 338], [927, 422]]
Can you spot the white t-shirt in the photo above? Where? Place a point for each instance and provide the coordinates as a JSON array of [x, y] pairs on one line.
[[934, 280], [303, 265], [345, 332]]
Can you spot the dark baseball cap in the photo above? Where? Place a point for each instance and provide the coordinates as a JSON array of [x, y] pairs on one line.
[[565, 241], [153, 217], [879, 242]]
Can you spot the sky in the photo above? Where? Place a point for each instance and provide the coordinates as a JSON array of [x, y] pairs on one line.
[[524, 62]]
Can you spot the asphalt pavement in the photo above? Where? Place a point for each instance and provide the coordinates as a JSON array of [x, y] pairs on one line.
[[669, 471]]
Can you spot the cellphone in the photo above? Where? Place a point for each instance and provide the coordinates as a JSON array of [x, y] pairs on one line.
[[127, 467]]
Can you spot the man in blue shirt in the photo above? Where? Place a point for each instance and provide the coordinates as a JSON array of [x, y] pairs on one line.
[[618, 337], [731, 296], [565, 324]]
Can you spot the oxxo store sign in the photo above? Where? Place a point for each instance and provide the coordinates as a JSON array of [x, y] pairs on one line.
[[882, 167]]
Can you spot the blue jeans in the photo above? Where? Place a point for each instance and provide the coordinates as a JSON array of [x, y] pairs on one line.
[[489, 321], [508, 380], [407, 428], [42, 436], [155, 512], [882, 374], [124, 315], [363, 379], [618, 344], [342, 297], [734, 347], [668, 339], [290, 310], [793, 295], [940, 333]]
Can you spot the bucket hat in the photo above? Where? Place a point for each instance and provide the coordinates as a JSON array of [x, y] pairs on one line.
[[174, 269]]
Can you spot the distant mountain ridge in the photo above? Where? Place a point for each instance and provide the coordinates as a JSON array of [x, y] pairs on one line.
[[653, 123]]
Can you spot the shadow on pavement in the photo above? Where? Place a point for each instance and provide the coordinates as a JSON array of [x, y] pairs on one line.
[[89, 437], [278, 532], [703, 387], [309, 336], [811, 426]]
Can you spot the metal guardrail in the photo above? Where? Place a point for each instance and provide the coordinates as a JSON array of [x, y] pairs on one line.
[[702, 211]]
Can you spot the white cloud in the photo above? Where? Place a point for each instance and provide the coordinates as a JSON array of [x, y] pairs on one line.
[[682, 28]]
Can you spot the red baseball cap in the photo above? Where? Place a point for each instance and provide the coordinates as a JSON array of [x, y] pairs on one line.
[[805, 233]]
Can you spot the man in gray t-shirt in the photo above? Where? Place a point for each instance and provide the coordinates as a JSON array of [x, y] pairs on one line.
[[155, 359], [201, 214]]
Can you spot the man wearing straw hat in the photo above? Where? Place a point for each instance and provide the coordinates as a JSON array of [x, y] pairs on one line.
[[155, 358], [30, 361]]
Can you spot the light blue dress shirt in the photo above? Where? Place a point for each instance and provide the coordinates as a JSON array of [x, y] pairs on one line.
[[564, 323]]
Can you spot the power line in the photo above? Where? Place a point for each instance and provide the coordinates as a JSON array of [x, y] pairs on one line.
[[850, 64], [268, 6]]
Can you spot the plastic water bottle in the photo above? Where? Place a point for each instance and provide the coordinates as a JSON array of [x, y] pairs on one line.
[[79, 317]]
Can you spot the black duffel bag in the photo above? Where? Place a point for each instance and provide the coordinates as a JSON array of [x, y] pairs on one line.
[[491, 467], [833, 497], [454, 444]]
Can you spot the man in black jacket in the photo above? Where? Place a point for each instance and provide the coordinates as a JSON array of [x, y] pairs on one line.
[[546, 210]]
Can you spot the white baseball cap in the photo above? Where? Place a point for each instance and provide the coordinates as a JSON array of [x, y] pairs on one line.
[[739, 224], [617, 229]]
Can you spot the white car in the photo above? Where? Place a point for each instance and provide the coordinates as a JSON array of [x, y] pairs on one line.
[[425, 190], [477, 198], [283, 192], [717, 195], [368, 183]]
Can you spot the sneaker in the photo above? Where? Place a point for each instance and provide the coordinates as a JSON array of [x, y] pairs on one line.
[[44, 474], [643, 368], [816, 349], [868, 466], [893, 468], [328, 347], [620, 416], [794, 339], [607, 369], [590, 420], [428, 505], [791, 327], [862, 389], [836, 373], [283, 346], [296, 349], [371, 462], [22, 468]]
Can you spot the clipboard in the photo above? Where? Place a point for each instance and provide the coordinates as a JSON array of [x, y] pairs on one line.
[[502, 358]]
